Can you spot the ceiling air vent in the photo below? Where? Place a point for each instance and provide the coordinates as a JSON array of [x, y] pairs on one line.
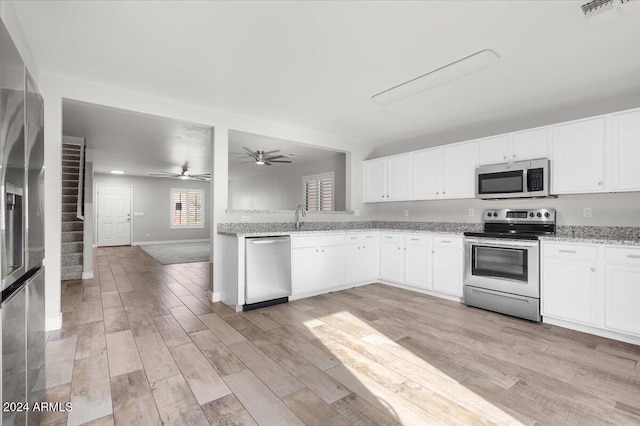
[[602, 10]]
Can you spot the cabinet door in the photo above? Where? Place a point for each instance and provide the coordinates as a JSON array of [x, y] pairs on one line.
[[570, 290], [352, 264], [303, 270], [375, 180], [448, 266], [369, 259], [459, 170], [391, 262], [427, 174], [530, 144], [416, 265], [577, 164], [494, 150], [399, 177], [622, 309], [330, 266], [625, 152]]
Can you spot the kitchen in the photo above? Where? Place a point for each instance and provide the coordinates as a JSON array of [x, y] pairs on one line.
[[612, 92]]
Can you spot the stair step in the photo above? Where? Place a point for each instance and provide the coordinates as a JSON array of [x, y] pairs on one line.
[[71, 169], [72, 236], [69, 183], [70, 216], [72, 259], [70, 199], [75, 247], [77, 225], [71, 146], [69, 176], [71, 272], [69, 207], [71, 157], [69, 190]]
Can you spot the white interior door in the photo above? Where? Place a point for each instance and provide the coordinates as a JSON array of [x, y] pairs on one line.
[[114, 215]]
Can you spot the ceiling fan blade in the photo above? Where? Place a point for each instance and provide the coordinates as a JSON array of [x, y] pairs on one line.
[[267, 163], [245, 162], [163, 174], [251, 153], [280, 161], [271, 152], [274, 157]]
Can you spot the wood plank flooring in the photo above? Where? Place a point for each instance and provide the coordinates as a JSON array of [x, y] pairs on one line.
[[141, 344]]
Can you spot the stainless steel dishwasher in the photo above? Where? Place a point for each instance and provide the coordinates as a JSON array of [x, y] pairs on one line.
[[267, 271]]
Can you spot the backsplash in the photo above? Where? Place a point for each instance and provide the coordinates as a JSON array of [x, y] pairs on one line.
[[619, 209]]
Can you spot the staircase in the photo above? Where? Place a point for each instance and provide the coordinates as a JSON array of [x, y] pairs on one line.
[[72, 226]]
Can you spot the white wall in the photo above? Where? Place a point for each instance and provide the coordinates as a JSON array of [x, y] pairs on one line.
[[151, 196], [281, 187], [89, 224], [622, 209]]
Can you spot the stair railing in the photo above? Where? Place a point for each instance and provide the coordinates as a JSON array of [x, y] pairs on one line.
[[80, 202]]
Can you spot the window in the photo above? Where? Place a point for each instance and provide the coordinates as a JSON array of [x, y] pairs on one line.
[[187, 208], [317, 192]]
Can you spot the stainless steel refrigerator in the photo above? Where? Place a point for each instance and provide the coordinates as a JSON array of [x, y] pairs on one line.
[[22, 309]]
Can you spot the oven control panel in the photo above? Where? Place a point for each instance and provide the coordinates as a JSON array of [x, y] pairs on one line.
[[519, 216]]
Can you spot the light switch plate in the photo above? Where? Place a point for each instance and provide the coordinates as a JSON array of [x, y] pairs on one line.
[[246, 218], [586, 212], [471, 212]]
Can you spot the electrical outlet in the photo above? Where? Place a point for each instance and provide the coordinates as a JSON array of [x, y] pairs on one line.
[[586, 212], [246, 218], [406, 213], [471, 212]]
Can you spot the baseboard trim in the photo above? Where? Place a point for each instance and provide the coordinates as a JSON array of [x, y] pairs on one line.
[[53, 323], [423, 291], [148, 243], [609, 334], [87, 275], [215, 297]]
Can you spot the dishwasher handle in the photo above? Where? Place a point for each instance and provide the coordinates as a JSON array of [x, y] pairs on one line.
[[267, 240]]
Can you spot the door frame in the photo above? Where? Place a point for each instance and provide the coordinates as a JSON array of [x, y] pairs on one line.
[[97, 210]]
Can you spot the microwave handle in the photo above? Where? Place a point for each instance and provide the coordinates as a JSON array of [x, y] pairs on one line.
[[525, 178]]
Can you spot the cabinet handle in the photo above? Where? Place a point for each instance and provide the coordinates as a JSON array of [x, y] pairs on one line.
[[317, 251], [354, 238], [370, 236], [398, 248], [514, 156], [600, 183], [633, 256], [405, 249], [389, 237], [504, 157], [358, 248], [567, 251], [593, 269], [437, 193], [445, 241], [415, 239]]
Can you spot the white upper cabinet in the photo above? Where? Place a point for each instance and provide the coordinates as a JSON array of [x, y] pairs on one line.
[[624, 156], [399, 177], [375, 188], [427, 174], [577, 164], [530, 144], [494, 150], [518, 146], [388, 178], [459, 170]]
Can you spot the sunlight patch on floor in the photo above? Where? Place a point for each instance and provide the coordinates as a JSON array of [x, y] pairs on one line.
[[376, 367]]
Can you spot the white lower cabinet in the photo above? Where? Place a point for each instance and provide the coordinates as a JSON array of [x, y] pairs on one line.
[[361, 258], [571, 289], [448, 265], [417, 261], [593, 285], [317, 263], [392, 257]]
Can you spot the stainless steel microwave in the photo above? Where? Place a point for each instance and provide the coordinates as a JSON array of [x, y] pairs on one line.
[[521, 179]]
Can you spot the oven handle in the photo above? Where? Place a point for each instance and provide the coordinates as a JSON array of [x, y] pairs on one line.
[[501, 243]]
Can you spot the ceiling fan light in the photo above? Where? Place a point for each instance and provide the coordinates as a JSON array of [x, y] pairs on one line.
[[446, 74], [184, 177], [260, 162], [117, 172]]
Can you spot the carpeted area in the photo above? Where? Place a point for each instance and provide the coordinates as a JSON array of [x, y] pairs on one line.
[[168, 254]]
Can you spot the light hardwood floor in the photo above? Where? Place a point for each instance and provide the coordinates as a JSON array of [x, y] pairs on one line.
[[140, 344]]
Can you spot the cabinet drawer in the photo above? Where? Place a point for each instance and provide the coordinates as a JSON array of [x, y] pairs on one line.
[[316, 240], [571, 251], [391, 238], [627, 256], [447, 241], [359, 237], [417, 240]]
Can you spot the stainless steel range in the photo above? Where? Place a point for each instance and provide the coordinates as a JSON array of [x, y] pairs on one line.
[[502, 264]]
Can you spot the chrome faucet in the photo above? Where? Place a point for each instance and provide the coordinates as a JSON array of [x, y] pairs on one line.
[[299, 209]]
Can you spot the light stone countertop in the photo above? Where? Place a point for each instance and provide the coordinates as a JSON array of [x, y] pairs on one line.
[[610, 235]]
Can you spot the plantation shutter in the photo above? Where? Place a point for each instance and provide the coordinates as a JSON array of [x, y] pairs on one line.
[[187, 208], [179, 216], [318, 192]]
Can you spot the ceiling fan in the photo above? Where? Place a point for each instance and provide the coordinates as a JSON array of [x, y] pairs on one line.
[[184, 175], [264, 158]]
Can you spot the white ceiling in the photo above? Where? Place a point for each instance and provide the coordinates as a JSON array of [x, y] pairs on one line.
[[138, 144], [316, 64]]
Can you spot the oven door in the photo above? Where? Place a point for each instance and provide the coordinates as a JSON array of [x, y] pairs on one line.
[[510, 266], [502, 181]]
